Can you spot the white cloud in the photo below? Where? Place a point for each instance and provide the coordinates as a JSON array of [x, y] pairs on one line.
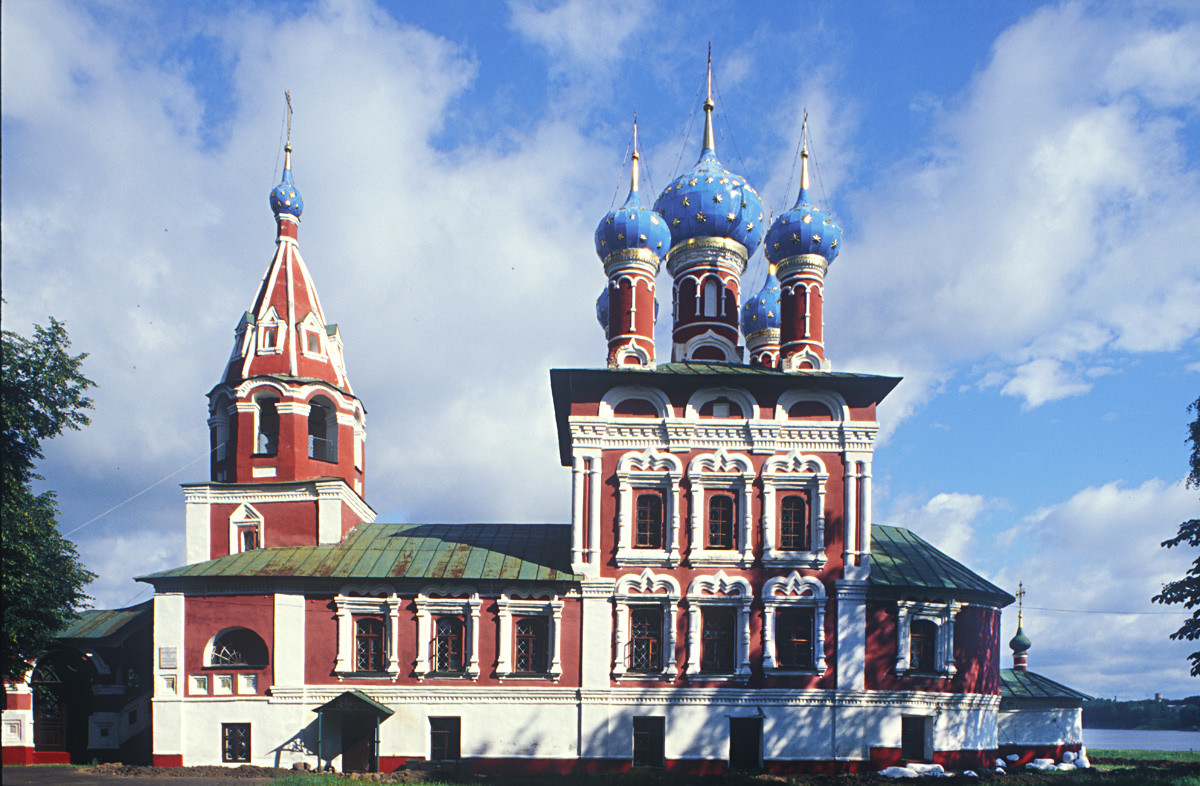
[[1091, 565], [1043, 379], [946, 520]]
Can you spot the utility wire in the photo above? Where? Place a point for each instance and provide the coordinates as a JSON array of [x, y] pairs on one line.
[[1096, 611]]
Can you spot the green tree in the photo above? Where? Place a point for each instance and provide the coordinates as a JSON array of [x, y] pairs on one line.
[[1187, 589], [43, 393]]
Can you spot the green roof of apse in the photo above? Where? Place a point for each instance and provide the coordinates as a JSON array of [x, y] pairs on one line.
[[902, 562], [480, 552]]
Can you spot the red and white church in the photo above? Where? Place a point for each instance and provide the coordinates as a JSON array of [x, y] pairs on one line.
[[720, 598]]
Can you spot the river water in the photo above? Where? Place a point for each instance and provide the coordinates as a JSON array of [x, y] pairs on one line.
[[1142, 739]]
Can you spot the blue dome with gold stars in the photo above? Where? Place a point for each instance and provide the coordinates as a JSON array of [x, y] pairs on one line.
[[805, 229], [761, 312], [285, 197], [602, 309], [632, 226], [711, 201]]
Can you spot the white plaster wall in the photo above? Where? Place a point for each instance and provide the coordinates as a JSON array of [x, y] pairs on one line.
[[288, 646], [169, 720], [1041, 726]]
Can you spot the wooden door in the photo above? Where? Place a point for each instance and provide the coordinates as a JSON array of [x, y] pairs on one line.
[[358, 743]]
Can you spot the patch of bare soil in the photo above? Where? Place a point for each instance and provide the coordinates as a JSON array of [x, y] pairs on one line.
[[236, 773]]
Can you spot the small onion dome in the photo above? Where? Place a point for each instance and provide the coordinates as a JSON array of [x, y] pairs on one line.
[[805, 229], [632, 226], [710, 201], [761, 312], [285, 198], [1020, 643], [602, 309]]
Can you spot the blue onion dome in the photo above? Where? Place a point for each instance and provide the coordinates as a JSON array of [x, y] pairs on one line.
[[631, 225], [285, 197], [710, 201], [805, 229], [761, 312], [1020, 643], [602, 309]]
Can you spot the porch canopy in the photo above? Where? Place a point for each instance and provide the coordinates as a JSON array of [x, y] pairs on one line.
[[350, 702]]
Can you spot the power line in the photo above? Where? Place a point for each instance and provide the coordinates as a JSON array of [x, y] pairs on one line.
[[1098, 611]]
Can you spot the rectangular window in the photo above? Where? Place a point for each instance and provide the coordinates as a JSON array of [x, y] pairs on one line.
[[794, 638], [922, 640], [720, 522], [648, 530], [249, 538], [649, 735], [445, 739], [794, 533], [448, 645], [235, 742], [530, 646], [717, 639], [645, 643], [368, 644]]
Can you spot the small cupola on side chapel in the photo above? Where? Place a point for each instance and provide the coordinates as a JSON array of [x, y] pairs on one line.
[[1020, 643], [284, 410]]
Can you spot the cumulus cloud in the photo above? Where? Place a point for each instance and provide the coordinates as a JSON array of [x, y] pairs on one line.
[[946, 520]]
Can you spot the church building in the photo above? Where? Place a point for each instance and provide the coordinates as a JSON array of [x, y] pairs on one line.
[[721, 596]]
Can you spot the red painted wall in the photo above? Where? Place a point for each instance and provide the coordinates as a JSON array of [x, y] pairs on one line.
[[976, 652], [207, 615]]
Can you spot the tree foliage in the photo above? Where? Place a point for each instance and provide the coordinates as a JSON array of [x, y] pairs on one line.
[[43, 581], [1187, 589]]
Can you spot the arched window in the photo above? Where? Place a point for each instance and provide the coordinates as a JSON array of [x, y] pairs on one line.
[[711, 299], [635, 408], [648, 529], [368, 644], [448, 645], [922, 651], [268, 426], [238, 648], [794, 532], [220, 437], [322, 430], [720, 522]]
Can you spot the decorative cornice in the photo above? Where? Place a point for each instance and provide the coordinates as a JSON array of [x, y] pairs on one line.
[[813, 265], [676, 435], [707, 252]]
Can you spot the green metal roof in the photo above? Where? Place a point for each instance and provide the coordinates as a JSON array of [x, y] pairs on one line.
[[105, 623], [1021, 684], [902, 562], [480, 552], [355, 701]]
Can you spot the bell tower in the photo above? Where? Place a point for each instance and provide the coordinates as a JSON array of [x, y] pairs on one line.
[[287, 433]]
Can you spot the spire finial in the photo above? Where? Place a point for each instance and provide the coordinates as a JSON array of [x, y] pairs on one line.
[[708, 107], [804, 154], [287, 145], [633, 175], [1020, 602]]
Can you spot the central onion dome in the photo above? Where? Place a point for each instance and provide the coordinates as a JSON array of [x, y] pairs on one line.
[[761, 312], [285, 198], [806, 228], [709, 200]]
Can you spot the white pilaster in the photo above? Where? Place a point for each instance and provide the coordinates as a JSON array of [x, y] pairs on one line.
[[288, 647], [851, 634]]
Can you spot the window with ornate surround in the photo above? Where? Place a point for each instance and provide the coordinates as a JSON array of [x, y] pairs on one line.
[[719, 592], [368, 633], [245, 529], [802, 598], [271, 333], [437, 603], [728, 473], [799, 478], [637, 474], [938, 614], [640, 600], [525, 616]]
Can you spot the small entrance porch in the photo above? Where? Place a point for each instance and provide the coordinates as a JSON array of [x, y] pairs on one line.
[[353, 719]]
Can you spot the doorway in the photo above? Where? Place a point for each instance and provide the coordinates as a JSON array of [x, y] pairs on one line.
[[358, 743], [745, 744], [912, 738]]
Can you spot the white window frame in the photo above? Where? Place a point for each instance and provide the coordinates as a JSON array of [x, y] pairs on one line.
[[268, 321], [788, 592], [794, 472], [648, 471], [515, 602], [456, 601], [727, 472], [366, 603], [942, 614], [645, 589], [310, 324], [245, 516], [737, 395], [719, 590]]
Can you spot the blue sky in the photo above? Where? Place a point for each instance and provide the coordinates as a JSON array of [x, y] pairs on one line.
[[1018, 185]]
